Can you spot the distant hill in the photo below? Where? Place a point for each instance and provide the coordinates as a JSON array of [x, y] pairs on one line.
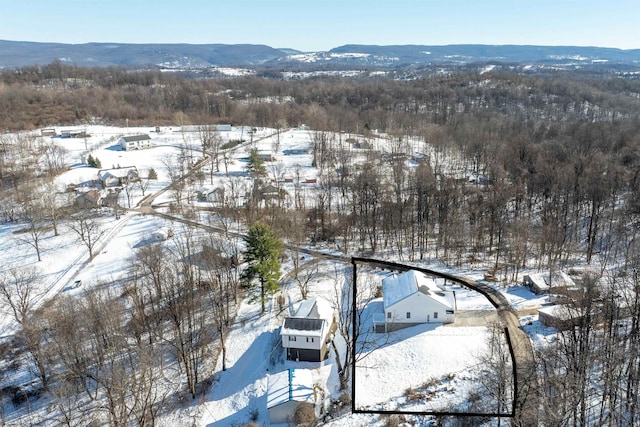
[[16, 54], [191, 56], [467, 53]]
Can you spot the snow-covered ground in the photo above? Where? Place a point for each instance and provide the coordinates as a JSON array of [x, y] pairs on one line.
[[413, 357]]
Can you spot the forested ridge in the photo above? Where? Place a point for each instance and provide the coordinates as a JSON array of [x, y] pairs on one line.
[[511, 170]]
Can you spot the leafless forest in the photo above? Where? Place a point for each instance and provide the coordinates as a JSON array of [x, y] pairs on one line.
[[547, 176]]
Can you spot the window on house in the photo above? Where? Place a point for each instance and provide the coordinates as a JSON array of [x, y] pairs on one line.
[[292, 338], [435, 314], [408, 315], [309, 339], [449, 311], [388, 315]]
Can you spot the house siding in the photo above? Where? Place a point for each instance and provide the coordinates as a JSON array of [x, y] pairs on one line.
[[301, 342], [422, 309]]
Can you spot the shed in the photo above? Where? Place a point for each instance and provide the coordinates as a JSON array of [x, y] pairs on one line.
[[560, 317], [286, 390]]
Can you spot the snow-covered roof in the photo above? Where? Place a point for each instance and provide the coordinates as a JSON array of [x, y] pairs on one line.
[[117, 172], [132, 138], [399, 286], [559, 279], [561, 312], [315, 308], [293, 384]]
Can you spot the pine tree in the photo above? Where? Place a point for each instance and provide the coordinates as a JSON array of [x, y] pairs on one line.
[[152, 174], [263, 253], [256, 167], [91, 161]]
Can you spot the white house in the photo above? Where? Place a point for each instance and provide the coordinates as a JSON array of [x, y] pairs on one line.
[[116, 177], [286, 391], [306, 335], [412, 298], [135, 142]]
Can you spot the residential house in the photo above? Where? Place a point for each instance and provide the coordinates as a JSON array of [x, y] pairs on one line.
[[119, 176], [135, 142], [270, 193], [266, 156], [286, 391], [110, 199], [306, 335], [561, 317], [412, 298], [91, 199], [543, 283], [214, 196]]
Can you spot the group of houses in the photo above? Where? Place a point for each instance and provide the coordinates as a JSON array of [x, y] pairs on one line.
[[409, 298], [565, 296], [111, 181]]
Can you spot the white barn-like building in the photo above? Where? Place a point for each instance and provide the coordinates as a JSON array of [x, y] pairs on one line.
[[135, 142], [412, 298]]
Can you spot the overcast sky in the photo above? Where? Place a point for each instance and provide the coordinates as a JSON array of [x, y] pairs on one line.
[[321, 25]]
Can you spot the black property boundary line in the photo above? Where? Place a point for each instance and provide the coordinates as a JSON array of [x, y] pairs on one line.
[[386, 265]]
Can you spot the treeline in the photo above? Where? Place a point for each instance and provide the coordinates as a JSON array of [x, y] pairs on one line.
[[57, 94]]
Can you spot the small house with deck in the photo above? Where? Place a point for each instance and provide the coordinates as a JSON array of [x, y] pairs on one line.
[[307, 334]]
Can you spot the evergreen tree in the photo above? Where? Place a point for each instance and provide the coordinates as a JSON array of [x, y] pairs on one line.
[[152, 174], [263, 253], [256, 167], [94, 162]]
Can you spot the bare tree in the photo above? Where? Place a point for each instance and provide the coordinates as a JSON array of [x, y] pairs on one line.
[[211, 143], [350, 301], [35, 214], [176, 170], [52, 204], [88, 229], [16, 291], [221, 278]]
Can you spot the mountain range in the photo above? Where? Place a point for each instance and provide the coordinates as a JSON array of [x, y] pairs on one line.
[[15, 54]]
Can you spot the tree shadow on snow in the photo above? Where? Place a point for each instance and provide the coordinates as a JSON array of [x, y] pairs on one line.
[[250, 366]]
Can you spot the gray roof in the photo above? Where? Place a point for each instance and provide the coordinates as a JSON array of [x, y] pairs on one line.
[[303, 324], [132, 138]]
